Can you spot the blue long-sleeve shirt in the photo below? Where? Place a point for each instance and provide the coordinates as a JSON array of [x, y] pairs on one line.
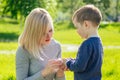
[[87, 65]]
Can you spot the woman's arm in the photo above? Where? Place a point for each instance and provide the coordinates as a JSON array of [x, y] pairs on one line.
[[60, 73], [22, 66]]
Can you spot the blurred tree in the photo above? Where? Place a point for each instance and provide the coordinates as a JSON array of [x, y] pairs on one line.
[[103, 5], [113, 11], [50, 6], [21, 7], [1, 9], [18, 9], [69, 5], [117, 9], [58, 9], [66, 9]]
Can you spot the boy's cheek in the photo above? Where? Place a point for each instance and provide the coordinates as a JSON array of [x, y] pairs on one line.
[[78, 31]]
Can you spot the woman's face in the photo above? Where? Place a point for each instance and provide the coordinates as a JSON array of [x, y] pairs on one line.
[[48, 35]]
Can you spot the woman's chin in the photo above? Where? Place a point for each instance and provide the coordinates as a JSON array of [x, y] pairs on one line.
[[47, 42]]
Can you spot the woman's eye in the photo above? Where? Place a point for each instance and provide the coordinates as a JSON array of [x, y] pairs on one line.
[[50, 30]]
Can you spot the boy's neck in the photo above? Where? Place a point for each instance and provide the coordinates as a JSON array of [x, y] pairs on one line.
[[93, 33]]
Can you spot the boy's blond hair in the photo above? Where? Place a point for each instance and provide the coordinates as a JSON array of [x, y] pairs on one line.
[[88, 12], [35, 27]]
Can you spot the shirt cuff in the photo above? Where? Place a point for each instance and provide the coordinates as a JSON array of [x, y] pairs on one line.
[[67, 61]]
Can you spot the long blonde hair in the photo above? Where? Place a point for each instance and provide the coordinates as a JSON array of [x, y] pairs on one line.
[[35, 27]]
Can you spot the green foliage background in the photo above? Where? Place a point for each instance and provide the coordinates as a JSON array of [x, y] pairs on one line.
[[12, 16]]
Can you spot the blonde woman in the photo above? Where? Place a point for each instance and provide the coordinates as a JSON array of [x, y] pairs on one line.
[[37, 54]]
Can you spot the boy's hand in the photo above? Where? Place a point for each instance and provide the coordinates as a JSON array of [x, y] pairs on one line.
[[62, 67], [64, 63]]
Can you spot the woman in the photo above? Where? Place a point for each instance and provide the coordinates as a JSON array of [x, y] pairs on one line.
[[36, 56]]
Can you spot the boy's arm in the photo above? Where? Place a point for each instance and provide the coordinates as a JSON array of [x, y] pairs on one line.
[[80, 63]]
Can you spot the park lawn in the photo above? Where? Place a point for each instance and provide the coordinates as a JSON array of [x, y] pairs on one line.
[[109, 35], [7, 27], [8, 46], [109, 38], [110, 68], [7, 67], [111, 64]]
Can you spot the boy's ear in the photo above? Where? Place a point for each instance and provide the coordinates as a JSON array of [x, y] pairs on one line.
[[86, 23]]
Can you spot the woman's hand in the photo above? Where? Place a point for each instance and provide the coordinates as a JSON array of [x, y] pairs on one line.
[[62, 67], [52, 67], [60, 72]]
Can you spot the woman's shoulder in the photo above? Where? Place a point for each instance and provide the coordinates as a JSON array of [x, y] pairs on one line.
[[54, 42], [22, 51]]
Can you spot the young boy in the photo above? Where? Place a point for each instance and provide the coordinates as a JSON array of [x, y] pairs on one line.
[[87, 65]]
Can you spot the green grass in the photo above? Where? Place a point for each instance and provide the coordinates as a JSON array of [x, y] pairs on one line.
[[111, 64], [110, 35], [11, 32], [7, 67], [8, 45], [67, 37], [110, 68]]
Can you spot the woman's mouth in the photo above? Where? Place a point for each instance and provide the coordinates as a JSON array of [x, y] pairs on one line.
[[47, 40]]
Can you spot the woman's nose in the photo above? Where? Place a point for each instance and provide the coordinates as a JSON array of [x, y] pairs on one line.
[[48, 35]]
